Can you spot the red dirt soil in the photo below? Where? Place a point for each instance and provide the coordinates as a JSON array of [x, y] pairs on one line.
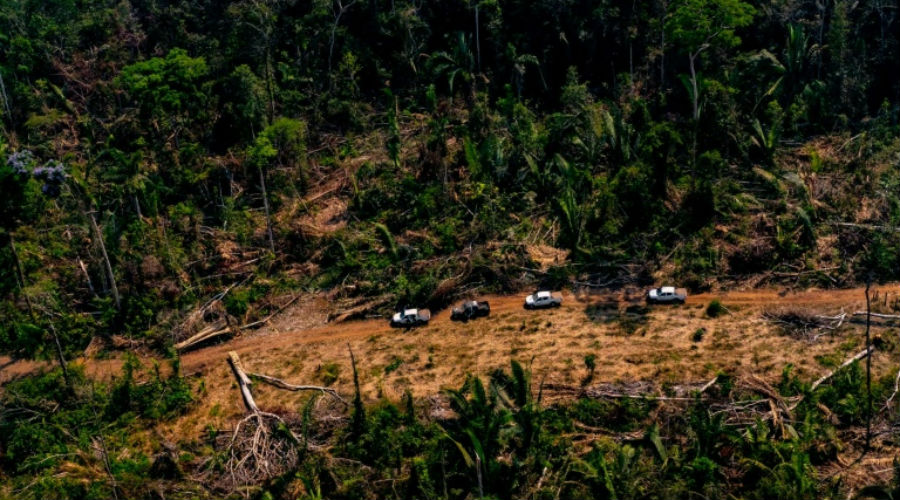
[[313, 329]]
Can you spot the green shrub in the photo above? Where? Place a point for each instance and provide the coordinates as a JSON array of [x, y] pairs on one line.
[[622, 415], [715, 309], [328, 373], [393, 365], [590, 363], [158, 398], [698, 334], [237, 303]]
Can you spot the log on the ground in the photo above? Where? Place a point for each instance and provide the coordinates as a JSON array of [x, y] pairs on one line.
[[207, 333], [359, 309], [638, 390], [873, 227], [877, 315], [243, 381], [804, 324], [860, 355], [269, 317]]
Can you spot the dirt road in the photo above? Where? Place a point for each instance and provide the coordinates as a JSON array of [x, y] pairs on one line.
[[848, 299], [627, 342], [509, 324]]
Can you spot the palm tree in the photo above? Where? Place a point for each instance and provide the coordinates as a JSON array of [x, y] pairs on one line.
[[456, 65], [520, 63]]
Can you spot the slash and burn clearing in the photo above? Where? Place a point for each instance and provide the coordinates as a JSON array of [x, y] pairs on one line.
[[626, 340]]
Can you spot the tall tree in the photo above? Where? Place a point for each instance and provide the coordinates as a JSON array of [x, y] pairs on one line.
[[699, 25]]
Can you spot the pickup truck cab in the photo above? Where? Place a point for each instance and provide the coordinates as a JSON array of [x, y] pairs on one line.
[[666, 295], [408, 318], [543, 299], [469, 310]]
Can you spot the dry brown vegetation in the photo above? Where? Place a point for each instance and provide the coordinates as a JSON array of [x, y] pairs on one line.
[[631, 342], [635, 348]]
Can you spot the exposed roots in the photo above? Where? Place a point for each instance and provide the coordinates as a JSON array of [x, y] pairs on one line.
[[261, 447]]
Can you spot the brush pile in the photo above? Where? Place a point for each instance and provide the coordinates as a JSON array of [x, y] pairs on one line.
[[802, 324]]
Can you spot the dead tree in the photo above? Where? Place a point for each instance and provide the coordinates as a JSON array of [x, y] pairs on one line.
[[263, 445], [802, 324], [862, 354], [281, 384], [868, 366], [106, 262], [265, 197], [223, 326], [339, 9], [5, 97]]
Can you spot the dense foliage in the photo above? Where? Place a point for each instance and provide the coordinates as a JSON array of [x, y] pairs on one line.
[[155, 152], [52, 423], [502, 441], [158, 155]]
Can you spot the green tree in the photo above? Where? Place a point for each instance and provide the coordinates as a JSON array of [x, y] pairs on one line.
[[168, 91], [700, 25], [281, 144], [458, 65]]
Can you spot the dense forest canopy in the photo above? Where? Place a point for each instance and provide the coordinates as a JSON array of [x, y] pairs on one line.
[[160, 155], [661, 134]]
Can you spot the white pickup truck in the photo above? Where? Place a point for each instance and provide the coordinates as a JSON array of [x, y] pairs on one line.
[[410, 317], [543, 299], [666, 295]]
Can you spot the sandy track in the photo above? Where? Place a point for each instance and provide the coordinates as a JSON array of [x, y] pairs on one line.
[[849, 299], [280, 341]]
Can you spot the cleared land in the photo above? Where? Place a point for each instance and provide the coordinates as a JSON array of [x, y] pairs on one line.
[[630, 341]]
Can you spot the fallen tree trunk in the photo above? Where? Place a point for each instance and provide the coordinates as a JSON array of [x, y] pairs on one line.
[[259, 449], [243, 381], [877, 315], [269, 317], [204, 335], [871, 227], [860, 355], [358, 309], [687, 392], [216, 330]]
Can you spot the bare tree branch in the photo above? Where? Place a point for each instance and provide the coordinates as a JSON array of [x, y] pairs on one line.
[[281, 384]]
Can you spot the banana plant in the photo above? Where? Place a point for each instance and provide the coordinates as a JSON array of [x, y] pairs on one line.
[[572, 212], [796, 51]]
